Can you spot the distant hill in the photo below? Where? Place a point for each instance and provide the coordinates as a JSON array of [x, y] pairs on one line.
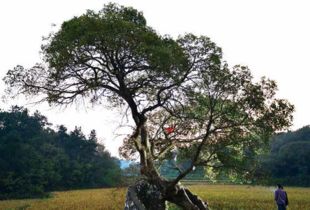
[[125, 163]]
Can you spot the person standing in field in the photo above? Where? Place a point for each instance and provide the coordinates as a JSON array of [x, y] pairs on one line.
[[281, 198]]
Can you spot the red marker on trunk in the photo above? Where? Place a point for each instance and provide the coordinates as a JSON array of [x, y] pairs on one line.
[[169, 130]]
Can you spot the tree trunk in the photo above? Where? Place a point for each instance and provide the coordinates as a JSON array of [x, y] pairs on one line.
[[182, 197], [153, 192], [146, 195]]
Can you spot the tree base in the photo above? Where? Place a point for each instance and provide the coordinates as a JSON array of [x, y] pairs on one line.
[[187, 200], [144, 195]]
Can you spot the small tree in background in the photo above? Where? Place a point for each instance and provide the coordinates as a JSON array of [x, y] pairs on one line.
[[216, 112]]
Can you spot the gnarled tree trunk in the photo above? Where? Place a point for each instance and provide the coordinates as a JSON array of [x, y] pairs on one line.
[[153, 192], [148, 195], [144, 196]]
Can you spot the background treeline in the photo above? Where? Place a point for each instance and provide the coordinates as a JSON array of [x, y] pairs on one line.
[[35, 159], [288, 159]]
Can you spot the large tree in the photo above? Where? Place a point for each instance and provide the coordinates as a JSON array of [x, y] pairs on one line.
[[180, 92]]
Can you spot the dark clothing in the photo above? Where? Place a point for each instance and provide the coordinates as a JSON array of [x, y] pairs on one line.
[[281, 199], [281, 207]]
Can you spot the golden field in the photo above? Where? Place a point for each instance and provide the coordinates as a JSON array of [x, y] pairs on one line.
[[219, 197]]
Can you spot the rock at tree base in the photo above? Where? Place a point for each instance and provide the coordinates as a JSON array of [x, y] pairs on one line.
[[144, 196]]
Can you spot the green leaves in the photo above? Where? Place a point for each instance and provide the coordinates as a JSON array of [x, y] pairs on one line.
[[129, 14]]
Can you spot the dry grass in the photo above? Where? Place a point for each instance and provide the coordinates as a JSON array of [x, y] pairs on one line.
[[220, 197], [234, 197], [97, 199]]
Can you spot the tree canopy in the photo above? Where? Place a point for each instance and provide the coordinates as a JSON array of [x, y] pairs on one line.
[[113, 56]]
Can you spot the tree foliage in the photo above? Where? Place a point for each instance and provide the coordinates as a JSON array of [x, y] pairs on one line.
[[35, 159]]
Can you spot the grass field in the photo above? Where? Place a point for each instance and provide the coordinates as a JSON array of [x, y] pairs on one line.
[[220, 197]]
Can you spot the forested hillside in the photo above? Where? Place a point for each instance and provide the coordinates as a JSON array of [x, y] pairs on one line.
[[35, 159], [288, 160]]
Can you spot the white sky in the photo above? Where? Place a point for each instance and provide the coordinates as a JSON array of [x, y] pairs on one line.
[[272, 37]]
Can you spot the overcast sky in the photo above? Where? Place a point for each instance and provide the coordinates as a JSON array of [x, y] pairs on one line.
[[272, 37]]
